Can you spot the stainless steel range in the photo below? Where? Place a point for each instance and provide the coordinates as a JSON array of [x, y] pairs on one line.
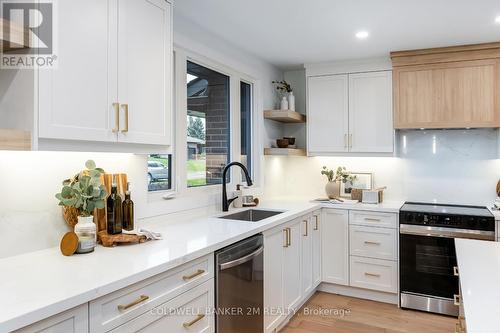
[[428, 262]]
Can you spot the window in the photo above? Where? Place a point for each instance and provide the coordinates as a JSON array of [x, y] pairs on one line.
[[246, 125], [159, 172], [208, 134]]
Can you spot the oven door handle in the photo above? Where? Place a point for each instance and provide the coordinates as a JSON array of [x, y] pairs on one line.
[[419, 230], [241, 260]]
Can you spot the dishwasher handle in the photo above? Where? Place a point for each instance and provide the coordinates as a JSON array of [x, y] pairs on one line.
[[241, 260]]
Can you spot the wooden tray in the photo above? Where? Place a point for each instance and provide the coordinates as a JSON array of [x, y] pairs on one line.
[[113, 240]]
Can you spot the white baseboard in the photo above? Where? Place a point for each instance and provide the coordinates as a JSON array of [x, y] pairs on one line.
[[359, 293]]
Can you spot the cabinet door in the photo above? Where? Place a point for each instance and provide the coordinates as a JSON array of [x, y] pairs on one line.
[[449, 95], [370, 112], [335, 246], [72, 321], [291, 267], [306, 257], [75, 100], [274, 243], [327, 114], [316, 248], [145, 71]]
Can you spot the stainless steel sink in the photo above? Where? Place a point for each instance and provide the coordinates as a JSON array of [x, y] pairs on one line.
[[251, 215]]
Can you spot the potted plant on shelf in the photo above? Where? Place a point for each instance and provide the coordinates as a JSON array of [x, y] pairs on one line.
[[82, 194], [286, 90], [332, 188]]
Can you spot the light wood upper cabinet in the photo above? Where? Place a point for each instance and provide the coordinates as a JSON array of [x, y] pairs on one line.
[[455, 87], [114, 77]]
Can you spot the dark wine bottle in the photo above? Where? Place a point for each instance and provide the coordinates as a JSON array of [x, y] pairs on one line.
[[128, 211], [114, 210]]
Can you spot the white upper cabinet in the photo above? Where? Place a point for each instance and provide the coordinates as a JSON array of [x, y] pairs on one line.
[[350, 113], [327, 114], [114, 76], [370, 112], [75, 100], [144, 70]]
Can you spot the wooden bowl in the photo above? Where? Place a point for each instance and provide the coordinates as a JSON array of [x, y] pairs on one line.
[[291, 140], [282, 143]]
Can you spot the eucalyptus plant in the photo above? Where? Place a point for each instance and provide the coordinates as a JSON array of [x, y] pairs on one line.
[[340, 175], [283, 86], [84, 191]]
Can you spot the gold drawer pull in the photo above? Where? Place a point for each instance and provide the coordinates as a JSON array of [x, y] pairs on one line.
[[192, 276], [316, 224], [372, 219], [372, 274], [455, 270], [141, 299], [456, 300], [307, 228], [125, 109], [194, 321], [372, 243]]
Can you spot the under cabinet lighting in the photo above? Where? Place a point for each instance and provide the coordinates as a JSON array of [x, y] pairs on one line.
[[497, 19]]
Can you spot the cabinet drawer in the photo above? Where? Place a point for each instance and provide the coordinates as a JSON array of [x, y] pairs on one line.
[[374, 274], [121, 306], [378, 243], [185, 313], [373, 219]]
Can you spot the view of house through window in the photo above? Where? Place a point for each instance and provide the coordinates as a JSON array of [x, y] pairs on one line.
[[208, 139], [246, 125], [159, 172]]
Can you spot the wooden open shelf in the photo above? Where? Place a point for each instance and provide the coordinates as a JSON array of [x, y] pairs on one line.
[[19, 36], [284, 152], [11, 139], [285, 116]]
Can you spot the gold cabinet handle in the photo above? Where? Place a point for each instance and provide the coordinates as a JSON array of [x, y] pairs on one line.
[[307, 228], [456, 300], [372, 274], [116, 106], [141, 299], [194, 321], [289, 236], [372, 219], [316, 222], [346, 141], [350, 140], [192, 276], [125, 109], [372, 243], [455, 271]]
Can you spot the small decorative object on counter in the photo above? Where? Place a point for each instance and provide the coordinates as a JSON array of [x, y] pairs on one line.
[[69, 244], [341, 175], [360, 180], [85, 193], [114, 210], [238, 201], [373, 196], [128, 211]]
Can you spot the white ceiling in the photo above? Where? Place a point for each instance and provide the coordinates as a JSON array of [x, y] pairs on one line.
[[288, 33]]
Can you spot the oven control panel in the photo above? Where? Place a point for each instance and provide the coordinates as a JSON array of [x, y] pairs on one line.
[[449, 221]]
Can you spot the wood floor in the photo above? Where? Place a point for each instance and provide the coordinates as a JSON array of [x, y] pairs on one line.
[[323, 314]]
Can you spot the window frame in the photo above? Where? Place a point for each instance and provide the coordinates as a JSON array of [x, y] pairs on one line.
[[202, 196]]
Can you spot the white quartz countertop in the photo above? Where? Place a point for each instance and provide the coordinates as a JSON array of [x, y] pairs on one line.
[[40, 284], [479, 269]]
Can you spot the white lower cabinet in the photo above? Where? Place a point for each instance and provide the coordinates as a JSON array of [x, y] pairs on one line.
[[335, 246], [316, 247], [292, 290], [187, 312], [306, 255], [75, 320]]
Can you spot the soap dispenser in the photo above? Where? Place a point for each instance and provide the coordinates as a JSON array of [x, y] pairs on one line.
[[238, 194]]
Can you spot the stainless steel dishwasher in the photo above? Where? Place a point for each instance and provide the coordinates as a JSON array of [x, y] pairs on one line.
[[239, 283]]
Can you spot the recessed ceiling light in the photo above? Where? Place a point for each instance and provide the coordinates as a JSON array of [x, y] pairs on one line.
[[362, 34], [497, 19]]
